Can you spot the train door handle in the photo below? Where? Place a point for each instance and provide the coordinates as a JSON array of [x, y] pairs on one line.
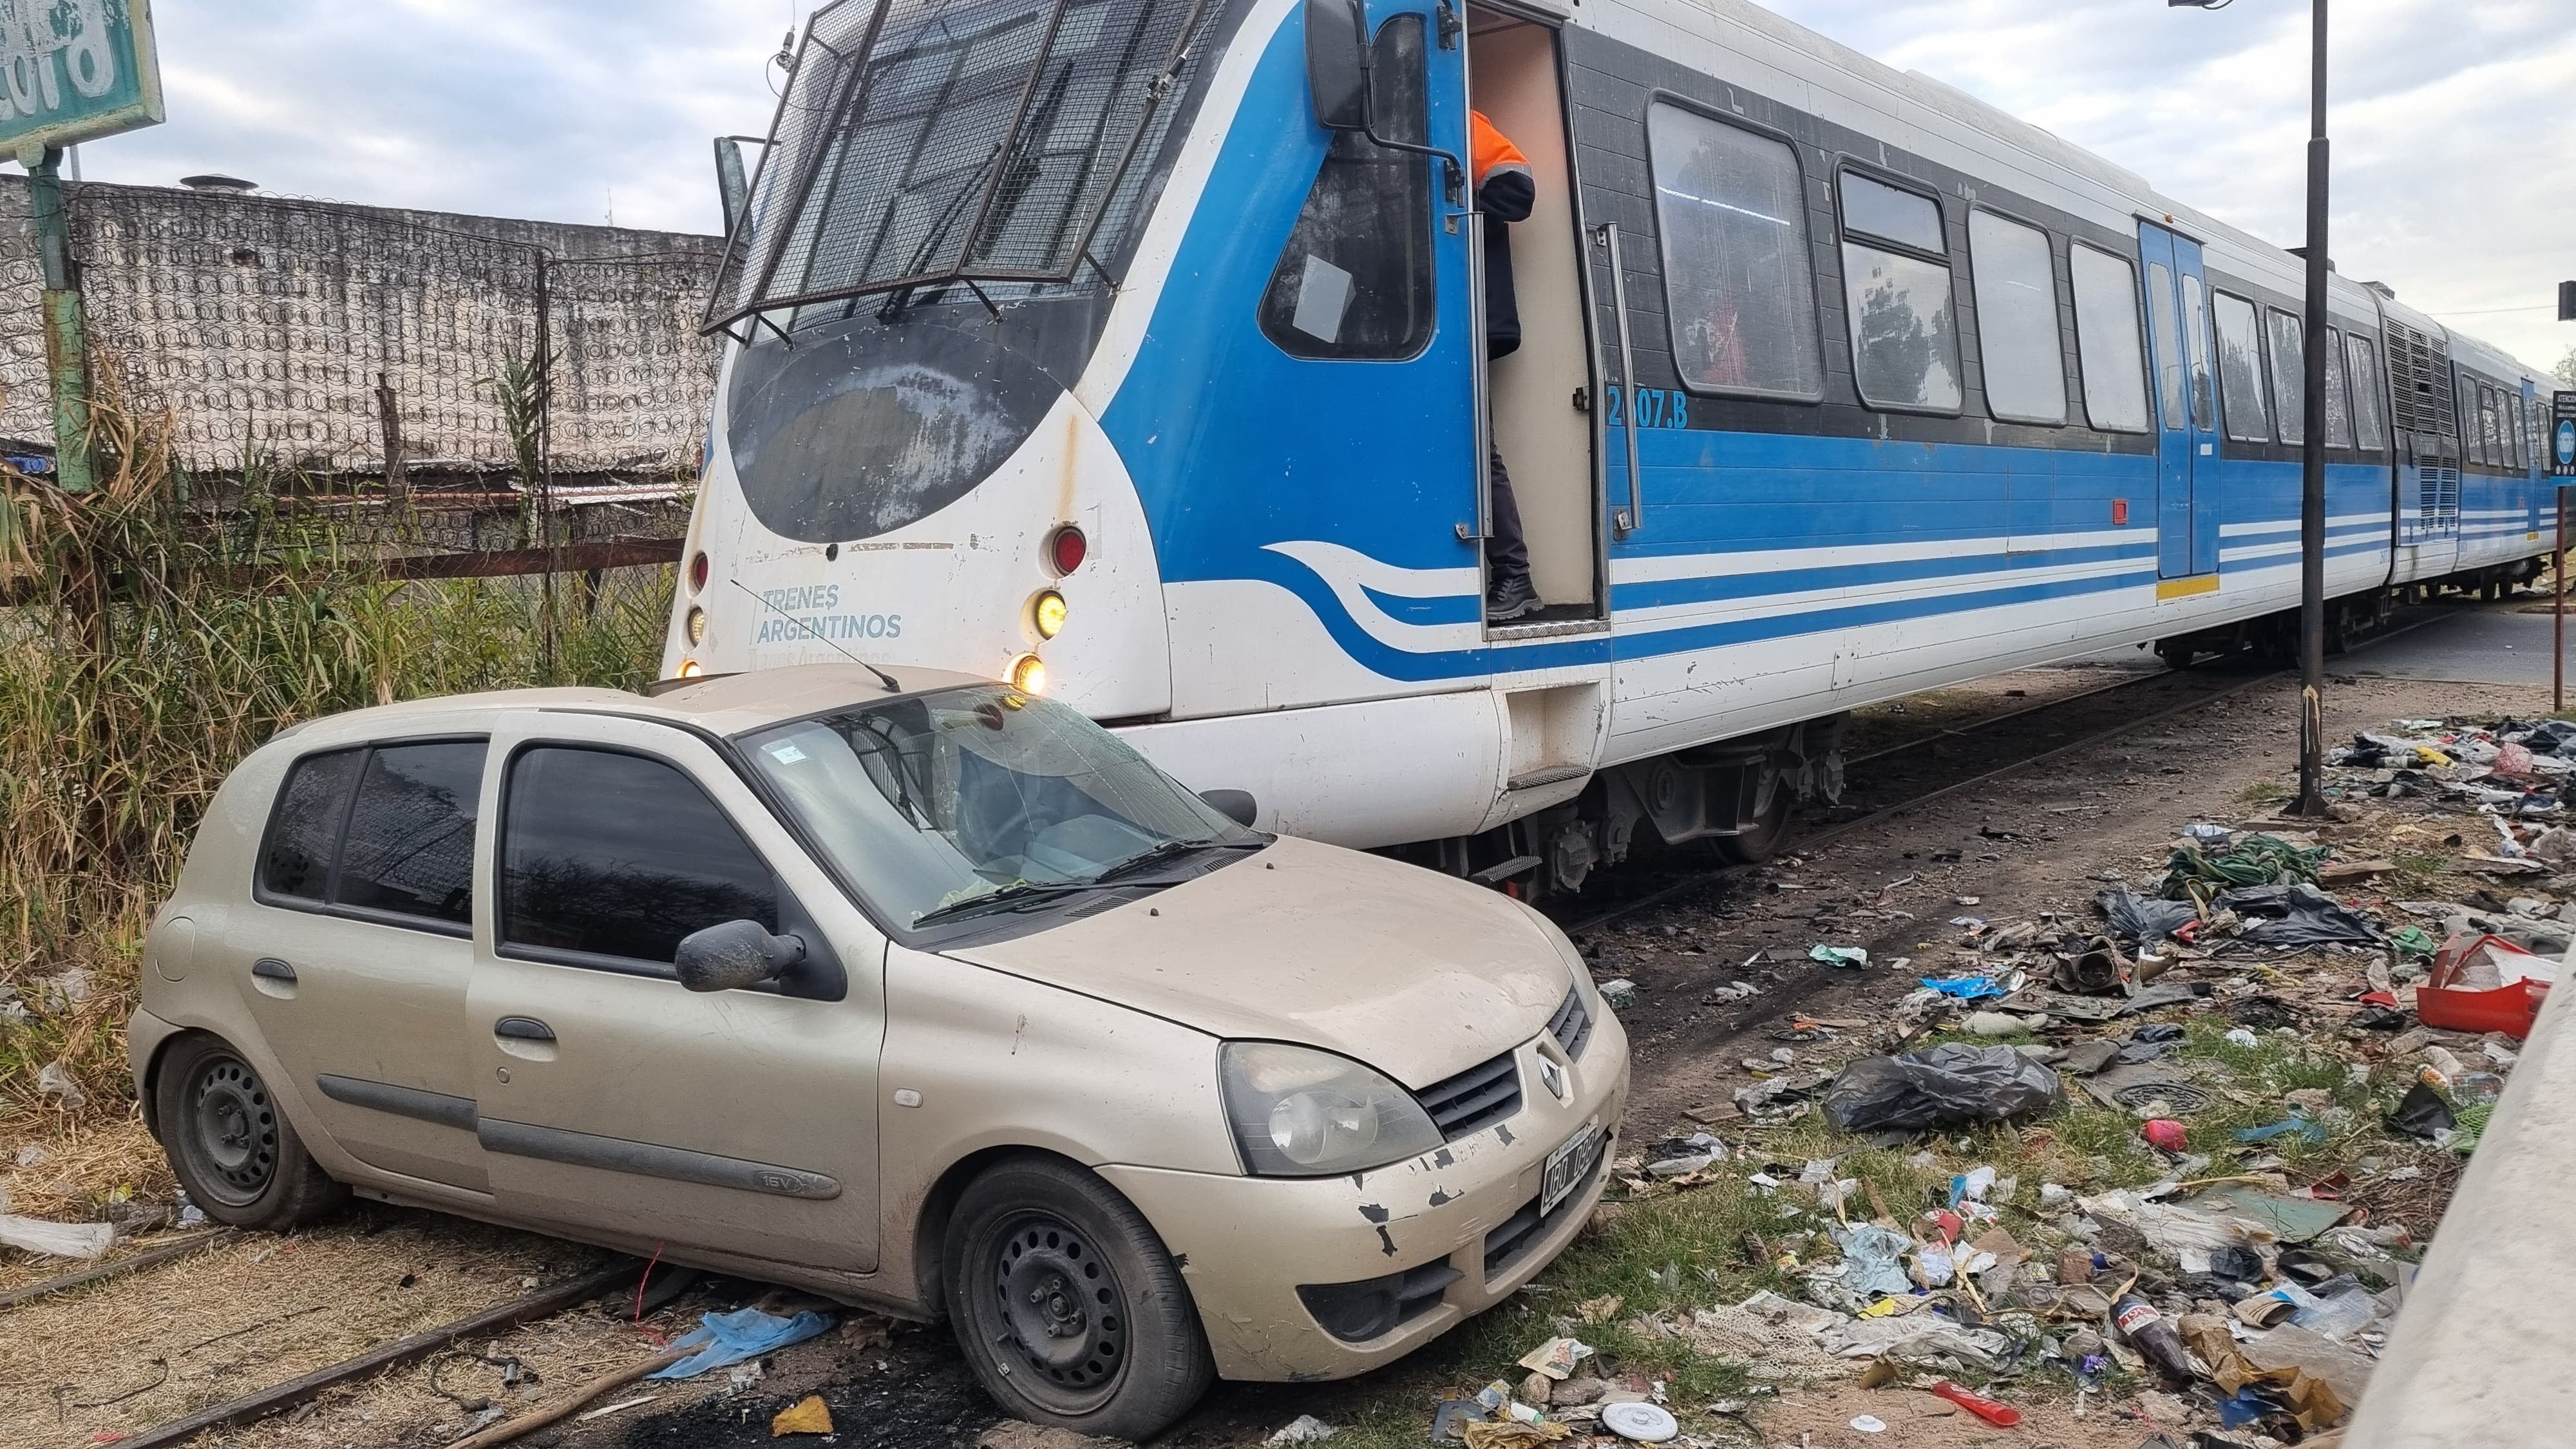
[[1624, 521], [522, 1028]]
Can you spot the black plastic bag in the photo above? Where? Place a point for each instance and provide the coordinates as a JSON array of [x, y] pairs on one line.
[[2296, 915], [2551, 737], [2421, 1112], [2137, 918], [1949, 1085]]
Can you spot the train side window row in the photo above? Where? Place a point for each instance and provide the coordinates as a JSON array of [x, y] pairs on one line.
[[1739, 285], [2496, 433]]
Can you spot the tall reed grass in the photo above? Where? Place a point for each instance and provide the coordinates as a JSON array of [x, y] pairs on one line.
[[146, 646]]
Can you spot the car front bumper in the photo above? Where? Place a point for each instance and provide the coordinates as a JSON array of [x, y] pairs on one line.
[[1245, 1244]]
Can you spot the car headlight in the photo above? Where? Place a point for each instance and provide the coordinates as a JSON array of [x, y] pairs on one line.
[[1299, 1112]]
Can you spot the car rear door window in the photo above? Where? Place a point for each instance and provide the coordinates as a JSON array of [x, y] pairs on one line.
[[304, 830], [409, 849], [613, 855]]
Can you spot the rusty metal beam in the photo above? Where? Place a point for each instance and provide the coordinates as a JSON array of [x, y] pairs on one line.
[[543, 1303]]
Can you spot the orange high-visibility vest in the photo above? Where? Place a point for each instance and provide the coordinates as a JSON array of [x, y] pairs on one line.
[[1491, 150]]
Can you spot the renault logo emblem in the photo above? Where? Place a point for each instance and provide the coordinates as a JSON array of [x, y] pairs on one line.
[[1554, 1076]]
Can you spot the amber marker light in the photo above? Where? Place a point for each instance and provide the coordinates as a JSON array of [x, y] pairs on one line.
[[696, 625], [1028, 674], [1047, 613]]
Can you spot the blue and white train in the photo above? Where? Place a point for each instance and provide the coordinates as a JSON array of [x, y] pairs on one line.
[[1072, 346]]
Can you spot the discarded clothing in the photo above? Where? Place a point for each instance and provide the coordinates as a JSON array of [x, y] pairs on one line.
[[730, 1338], [2137, 918], [2255, 860], [1948, 1085]]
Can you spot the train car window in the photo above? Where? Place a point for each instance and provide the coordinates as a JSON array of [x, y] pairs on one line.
[[2492, 425], [2464, 397], [1739, 281], [2106, 341], [2160, 314], [2522, 453], [2195, 321], [2240, 370], [1355, 280], [2017, 319], [2338, 398], [1903, 217], [2289, 375], [2369, 392]]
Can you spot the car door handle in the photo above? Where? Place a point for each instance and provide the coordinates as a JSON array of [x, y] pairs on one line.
[[522, 1028], [269, 968]]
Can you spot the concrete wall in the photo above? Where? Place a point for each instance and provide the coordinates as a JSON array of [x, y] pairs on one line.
[[265, 326]]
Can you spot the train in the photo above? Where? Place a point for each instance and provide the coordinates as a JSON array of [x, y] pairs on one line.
[[1133, 351]]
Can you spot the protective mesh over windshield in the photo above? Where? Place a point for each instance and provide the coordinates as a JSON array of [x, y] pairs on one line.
[[930, 141]]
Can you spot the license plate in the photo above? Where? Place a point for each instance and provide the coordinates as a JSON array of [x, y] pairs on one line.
[[1568, 1166]]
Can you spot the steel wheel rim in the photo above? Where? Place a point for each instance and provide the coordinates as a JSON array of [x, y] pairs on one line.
[[1060, 1311], [232, 1130]]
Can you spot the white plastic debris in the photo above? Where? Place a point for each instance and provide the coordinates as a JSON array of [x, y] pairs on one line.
[[2239, 1036], [31, 1156], [1870, 1424], [1619, 995], [54, 1081], [1304, 1429], [61, 1240], [1644, 1423]]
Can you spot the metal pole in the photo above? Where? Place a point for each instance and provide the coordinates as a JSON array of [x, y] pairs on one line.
[[2558, 611], [66, 335], [2312, 452]]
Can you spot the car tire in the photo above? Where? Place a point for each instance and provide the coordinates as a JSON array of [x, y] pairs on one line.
[[231, 1145], [1067, 1304]]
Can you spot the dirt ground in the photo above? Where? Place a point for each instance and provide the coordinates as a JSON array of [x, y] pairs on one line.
[[111, 1360]]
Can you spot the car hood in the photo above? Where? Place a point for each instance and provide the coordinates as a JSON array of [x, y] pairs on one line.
[[1417, 974]]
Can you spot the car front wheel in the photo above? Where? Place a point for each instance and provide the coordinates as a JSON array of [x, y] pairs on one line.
[[232, 1148], [1067, 1304]]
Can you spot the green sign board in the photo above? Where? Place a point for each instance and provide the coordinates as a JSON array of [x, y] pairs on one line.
[[75, 70]]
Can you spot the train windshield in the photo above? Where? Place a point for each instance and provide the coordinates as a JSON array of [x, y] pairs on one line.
[[937, 804], [924, 142]]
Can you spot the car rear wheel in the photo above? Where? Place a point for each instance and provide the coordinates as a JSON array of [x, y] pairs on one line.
[[1068, 1306], [230, 1144]]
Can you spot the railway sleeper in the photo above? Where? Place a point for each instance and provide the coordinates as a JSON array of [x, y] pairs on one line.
[[1736, 795]]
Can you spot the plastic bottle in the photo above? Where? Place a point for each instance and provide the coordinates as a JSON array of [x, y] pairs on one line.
[[2148, 1333]]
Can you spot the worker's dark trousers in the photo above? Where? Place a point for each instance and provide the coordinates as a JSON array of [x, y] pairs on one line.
[[1506, 556]]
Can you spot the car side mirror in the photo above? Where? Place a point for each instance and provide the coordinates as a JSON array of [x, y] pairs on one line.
[[1235, 805], [734, 955], [1337, 63]]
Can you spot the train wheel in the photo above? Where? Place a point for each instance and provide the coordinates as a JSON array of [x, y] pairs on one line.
[[2176, 655], [1760, 840]]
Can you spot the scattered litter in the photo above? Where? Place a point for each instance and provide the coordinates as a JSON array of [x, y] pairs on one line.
[[1839, 955], [1967, 988], [723, 1339], [808, 1415], [605, 1410], [54, 1080], [2164, 1133], [1304, 1429], [60, 1240], [2422, 1113], [1870, 1424], [2239, 1036], [1951, 1084], [1618, 995], [1644, 1423], [1993, 1411], [1557, 1357]]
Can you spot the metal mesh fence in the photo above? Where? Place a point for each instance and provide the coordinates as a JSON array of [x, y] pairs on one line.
[[279, 329]]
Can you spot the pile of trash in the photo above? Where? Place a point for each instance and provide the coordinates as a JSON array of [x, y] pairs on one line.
[[2396, 951]]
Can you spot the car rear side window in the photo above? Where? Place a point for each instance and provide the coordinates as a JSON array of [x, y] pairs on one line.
[[304, 831], [616, 855], [409, 849]]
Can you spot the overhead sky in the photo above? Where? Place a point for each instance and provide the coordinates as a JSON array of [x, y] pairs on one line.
[[2455, 145]]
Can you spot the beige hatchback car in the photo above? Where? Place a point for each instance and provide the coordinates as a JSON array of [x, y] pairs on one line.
[[917, 991]]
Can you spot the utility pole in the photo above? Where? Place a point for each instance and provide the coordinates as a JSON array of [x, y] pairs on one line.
[[2312, 448], [66, 330]]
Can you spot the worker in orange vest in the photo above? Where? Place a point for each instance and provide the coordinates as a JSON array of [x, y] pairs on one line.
[[1505, 191]]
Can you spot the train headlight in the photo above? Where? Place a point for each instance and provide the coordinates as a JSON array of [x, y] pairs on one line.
[[689, 669], [1047, 613], [696, 626], [1028, 674]]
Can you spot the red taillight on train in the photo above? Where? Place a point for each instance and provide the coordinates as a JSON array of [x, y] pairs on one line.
[[1067, 548], [697, 573]]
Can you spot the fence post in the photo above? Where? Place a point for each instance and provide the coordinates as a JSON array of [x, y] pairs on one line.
[[66, 338]]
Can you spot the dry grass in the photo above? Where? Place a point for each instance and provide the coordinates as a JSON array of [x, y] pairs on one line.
[[151, 647], [259, 1310]]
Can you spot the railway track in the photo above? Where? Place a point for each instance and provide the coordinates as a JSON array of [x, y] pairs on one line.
[[2002, 743]]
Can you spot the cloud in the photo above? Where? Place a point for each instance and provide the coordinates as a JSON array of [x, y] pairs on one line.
[[2453, 156]]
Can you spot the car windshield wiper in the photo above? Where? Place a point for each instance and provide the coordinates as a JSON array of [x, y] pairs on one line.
[[1169, 849], [1019, 890]]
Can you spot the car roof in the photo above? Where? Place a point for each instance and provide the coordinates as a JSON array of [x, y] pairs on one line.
[[725, 704]]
